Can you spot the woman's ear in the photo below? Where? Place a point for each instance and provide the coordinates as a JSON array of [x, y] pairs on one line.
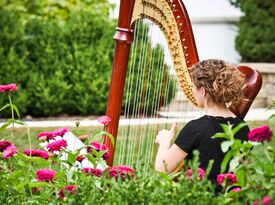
[[203, 91]]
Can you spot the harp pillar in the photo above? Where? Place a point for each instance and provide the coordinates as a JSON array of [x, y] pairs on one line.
[[124, 37]]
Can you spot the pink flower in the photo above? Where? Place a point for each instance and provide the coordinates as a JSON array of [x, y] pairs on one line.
[[69, 188], [220, 178], [231, 177], [83, 137], [93, 171], [99, 147], [45, 174], [123, 171], [80, 158], [57, 145], [9, 152], [189, 173], [4, 144], [236, 189], [255, 203], [8, 87], [266, 200], [105, 120], [51, 135], [201, 173], [259, 134], [37, 153]]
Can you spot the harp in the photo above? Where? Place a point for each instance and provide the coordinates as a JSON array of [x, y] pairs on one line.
[[171, 17]]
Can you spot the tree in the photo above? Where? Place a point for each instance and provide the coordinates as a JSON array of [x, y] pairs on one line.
[[256, 40]]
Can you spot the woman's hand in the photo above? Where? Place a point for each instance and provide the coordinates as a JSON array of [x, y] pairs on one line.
[[164, 137]]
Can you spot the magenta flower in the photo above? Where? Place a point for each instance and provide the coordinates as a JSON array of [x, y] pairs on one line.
[[189, 173], [123, 171], [266, 200], [51, 135], [8, 87], [93, 171], [201, 173], [105, 120], [231, 178], [45, 174], [4, 144], [57, 145], [236, 189], [80, 158], [37, 153], [69, 188], [99, 147], [255, 203], [9, 152], [220, 178], [259, 134]]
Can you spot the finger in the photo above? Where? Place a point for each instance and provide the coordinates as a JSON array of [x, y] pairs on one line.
[[174, 126]]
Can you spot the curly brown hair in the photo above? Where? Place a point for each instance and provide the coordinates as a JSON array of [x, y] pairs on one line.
[[221, 80]]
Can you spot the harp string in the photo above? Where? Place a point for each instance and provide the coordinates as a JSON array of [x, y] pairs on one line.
[[126, 109], [132, 131], [132, 107], [136, 142]]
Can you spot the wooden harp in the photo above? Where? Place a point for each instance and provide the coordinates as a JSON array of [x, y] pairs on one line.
[[172, 19]]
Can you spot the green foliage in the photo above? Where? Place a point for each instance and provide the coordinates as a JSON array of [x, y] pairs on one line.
[[59, 53], [254, 176], [256, 39], [18, 183]]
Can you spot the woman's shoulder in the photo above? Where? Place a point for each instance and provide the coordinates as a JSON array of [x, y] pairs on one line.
[[198, 123]]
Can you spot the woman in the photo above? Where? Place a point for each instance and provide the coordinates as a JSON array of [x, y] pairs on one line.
[[215, 85]]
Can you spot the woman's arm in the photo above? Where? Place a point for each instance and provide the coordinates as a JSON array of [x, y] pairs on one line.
[[168, 157]]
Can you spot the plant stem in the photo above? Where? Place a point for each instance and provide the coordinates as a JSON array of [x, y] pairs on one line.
[[12, 116], [266, 153], [30, 143]]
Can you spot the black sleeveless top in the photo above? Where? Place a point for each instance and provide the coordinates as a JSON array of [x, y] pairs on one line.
[[197, 134]]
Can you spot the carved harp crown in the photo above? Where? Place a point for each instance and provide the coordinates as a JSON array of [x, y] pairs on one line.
[[172, 18]]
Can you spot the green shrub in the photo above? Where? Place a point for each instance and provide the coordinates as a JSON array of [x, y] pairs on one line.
[[256, 40], [60, 55]]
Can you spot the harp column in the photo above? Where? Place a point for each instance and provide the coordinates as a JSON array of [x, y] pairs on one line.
[[124, 37]]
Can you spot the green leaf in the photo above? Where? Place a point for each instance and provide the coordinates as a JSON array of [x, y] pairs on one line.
[[91, 159], [21, 185], [220, 135], [4, 107], [271, 120], [16, 110], [97, 134], [240, 174], [227, 129], [71, 157], [39, 184], [20, 122], [225, 161], [6, 124], [238, 127], [225, 145]]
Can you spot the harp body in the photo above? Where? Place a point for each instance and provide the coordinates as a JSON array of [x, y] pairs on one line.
[[172, 18]]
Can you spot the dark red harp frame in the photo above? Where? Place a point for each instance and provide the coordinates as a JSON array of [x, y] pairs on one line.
[[124, 36]]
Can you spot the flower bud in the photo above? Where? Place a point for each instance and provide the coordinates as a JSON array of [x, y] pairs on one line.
[[77, 123], [83, 137]]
